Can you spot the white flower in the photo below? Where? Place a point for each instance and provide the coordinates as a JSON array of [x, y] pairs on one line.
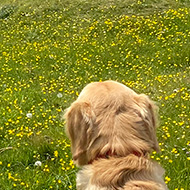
[[59, 95], [29, 115], [176, 90], [38, 163]]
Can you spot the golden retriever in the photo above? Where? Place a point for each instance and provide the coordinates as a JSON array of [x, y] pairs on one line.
[[112, 131]]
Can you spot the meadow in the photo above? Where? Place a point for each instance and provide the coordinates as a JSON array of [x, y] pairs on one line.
[[49, 50]]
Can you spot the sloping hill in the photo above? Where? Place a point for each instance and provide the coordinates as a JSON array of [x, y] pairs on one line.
[[50, 50]]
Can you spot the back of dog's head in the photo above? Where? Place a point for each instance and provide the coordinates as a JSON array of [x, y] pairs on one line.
[[108, 116]]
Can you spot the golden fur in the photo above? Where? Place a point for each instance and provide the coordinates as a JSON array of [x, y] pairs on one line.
[[109, 117]]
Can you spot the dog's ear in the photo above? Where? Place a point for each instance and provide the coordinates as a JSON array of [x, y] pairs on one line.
[[79, 122], [148, 112]]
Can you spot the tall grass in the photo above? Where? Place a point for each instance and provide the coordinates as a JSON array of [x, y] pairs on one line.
[[50, 50]]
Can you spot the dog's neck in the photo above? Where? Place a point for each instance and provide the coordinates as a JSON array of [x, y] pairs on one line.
[[110, 153]]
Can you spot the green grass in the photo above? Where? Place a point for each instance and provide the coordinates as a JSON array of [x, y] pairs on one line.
[[50, 50]]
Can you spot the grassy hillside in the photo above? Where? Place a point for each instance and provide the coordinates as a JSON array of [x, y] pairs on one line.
[[50, 50]]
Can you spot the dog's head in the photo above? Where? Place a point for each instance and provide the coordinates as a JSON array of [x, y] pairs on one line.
[[110, 117]]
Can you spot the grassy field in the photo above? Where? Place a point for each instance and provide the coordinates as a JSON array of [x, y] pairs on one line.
[[49, 50]]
